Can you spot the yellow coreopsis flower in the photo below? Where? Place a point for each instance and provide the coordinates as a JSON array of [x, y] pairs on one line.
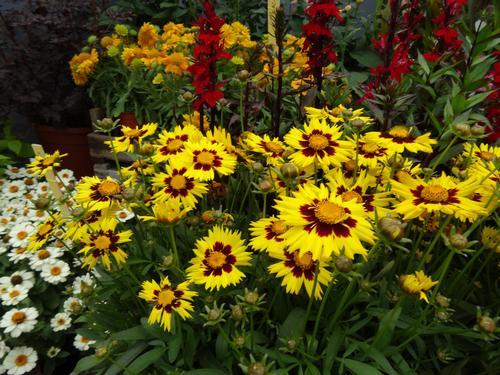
[[217, 259], [267, 234], [318, 144], [42, 164], [417, 284], [167, 212], [170, 143], [131, 137], [104, 242], [400, 138], [44, 231], [272, 148], [166, 299], [482, 152], [96, 194]]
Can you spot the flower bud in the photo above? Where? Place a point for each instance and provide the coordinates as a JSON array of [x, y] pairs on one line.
[[265, 185], [128, 193], [257, 368], [442, 315], [458, 241], [343, 264], [462, 130], [236, 313], [347, 8], [486, 324], [91, 39], [243, 75], [168, 261], [223, 102], [347, 113], [442, 301], [121, 30], [193, 220], [358, 123], [86, 290], [391, 228], [106, 124], [291, 344], [42, 203], [188, 96], [289, 170], [147, 149], [113, 51], [257, 166], [101, 352], [477, 130], [251, 297], [214, 314]]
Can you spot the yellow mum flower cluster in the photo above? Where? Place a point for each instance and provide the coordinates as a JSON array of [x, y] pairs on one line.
[[83, 65]]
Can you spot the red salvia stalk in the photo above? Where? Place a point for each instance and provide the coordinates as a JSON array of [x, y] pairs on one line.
[[492, 108], [318, 44], [207, 52]]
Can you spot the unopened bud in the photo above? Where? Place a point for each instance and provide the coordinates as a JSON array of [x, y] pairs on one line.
[[243, 75], [289, 170], [168, 261], [42, 203], [462, 130], [91, 39], [256, 368], [458, 241], [265, 186], [442, 301], [101, 352], [291, 344], [251, 297], [78, 211], [343, 264], [347, 8], [214, 314], [257, 166], [86, 290], [347, 113], [223, 102], [392, 228], [358, 123], [193, 220], [477, 130], [239, 341], [147, 149], [188, 96], [486, 324], [128, 193], [106, 124], [236, 313]]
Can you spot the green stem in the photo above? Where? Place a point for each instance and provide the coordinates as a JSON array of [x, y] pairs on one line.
[[442, 155], [251, 332], [311, 298], [115, 156], [339, 309], [466, 268], [320, 312], [434, 242], [174, 244], [442, 274], [355, 174], [264, 205], [241, 109]]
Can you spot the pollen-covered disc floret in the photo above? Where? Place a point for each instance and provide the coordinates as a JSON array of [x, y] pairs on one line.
[[218, 256], [321, 222], [167, 298]]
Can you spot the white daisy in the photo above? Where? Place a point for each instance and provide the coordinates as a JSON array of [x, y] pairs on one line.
[[3, 248], [13, 295], [60, 322], [17, 254], [73, 305], [55, 272], [124, 215], [43, 189], [14, 189], [25, 279], [82, 343], [44, 256], [4, 349], [19, 234], [5, 224], [17, 321], [80, 282], [16, 172], [66, 176], [20, 360]]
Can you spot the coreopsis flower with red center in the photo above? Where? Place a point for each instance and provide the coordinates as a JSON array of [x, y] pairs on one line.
[[96, 194], [267, 234], [44, 231], [168, 212], [318, 144], [176, 185], [417, 284], [338, 114], [439, 194], [102, 243], [203, 159], [299, 270], [400, 138], [373, 150], [272, 148], [170, 143], [319, 221], [131, 137], [207, 52], [167, 299], [42, 164], [349, 190], [482, 153], [218, 256]]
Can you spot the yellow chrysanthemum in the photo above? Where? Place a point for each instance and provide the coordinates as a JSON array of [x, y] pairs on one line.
[[147, 36], [96, 194], [267, 234], [321, 222], [102, 243], [83, 65], [176, 185], [42, 164], [176, 63], [166, 299], [417, 284], [318, 144], [400, 138], [273, 149], [439, 194], [297, 270], [129, 54], [204, 158], [236, 34], [131, 137], [217, 257], [171, 143]]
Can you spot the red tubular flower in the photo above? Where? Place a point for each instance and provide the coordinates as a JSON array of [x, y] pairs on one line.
[[207, 52], [318, 44]]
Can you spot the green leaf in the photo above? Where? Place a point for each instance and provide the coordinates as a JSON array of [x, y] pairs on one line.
[[294, 324], [378, 357], [86, 363], [125, 359], [174, 345], [134, 333], [360, 368], [15, 146], [423, 63], [366, 58], [386, 328], [312, 370], [145, 360], [476, 99], [334, 342], [205, 371]]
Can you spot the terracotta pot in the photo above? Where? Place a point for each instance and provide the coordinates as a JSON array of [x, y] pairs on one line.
[[128, 119], [72, 141]]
